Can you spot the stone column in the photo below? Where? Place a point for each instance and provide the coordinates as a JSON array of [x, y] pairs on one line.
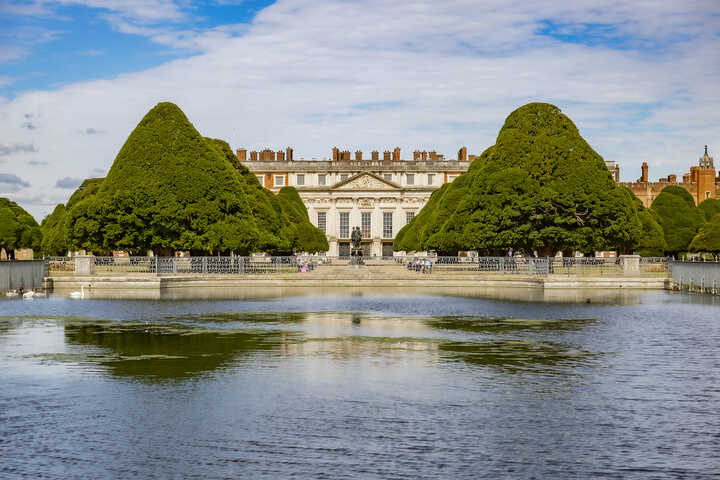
[[334, 248], [84, 265], [630, 263], [376, 248]]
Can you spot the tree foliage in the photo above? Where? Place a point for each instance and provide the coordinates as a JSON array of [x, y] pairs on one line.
[[54, 226], [708, 238], [541, 188], [18, 229], [709, 207], [305, 237], [678, 216], [172, 189]]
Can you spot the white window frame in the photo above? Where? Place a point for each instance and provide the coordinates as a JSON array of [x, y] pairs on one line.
[[385, 230], [430, 178], [300, 179], [261, 179], [410, 178], [322, 225], [275, 180], [322, 179], [387, 177]]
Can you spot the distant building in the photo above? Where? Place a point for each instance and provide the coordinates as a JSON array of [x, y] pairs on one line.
[[701, 182], [380, 194]]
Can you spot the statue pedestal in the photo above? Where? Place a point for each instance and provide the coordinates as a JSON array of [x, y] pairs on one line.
[[630, 263], [84, 265]]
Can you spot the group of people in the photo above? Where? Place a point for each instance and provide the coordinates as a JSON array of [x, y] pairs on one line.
[[420, 265], [305, 266]]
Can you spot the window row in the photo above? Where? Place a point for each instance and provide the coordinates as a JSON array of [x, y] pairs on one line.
[[365, 223], [324, 179]]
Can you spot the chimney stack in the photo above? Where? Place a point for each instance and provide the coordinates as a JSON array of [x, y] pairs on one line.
[[241, 154]]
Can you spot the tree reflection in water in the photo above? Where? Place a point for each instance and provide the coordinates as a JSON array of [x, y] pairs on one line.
[[152, 351]]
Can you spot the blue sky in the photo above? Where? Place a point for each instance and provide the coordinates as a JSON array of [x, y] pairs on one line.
[[76, 42], [639, 79]]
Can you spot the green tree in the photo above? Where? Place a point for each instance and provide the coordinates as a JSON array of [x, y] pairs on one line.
[[708, 238], [54, 229], [541, 188], [709, 207], [652, 241], [305, 237], [169, 189], [678, 216], [18, 229]]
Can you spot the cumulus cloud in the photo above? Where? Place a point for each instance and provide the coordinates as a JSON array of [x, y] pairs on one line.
[[9, 149], [68, 182], [9, 182], [427, 75]]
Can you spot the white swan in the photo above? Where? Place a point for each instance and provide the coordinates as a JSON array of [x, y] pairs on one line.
[[12, 293], [28, 295], [80, 294]]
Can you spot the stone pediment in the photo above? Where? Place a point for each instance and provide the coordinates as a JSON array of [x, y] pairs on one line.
[[365, 181]]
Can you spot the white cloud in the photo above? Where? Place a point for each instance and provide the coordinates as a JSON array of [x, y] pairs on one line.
[[375, 75]]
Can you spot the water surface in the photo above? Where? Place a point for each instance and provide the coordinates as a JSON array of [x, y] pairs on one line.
[[361, 383]]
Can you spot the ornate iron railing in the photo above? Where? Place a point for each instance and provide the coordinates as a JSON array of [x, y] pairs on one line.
[[235, 265]]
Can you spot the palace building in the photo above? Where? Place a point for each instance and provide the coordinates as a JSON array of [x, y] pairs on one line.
[[380, 194], [701, 182]]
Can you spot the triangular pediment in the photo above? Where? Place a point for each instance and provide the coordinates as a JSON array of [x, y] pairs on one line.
[[366, 181]]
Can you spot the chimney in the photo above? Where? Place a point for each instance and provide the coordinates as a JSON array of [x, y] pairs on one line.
[[462, 154], [289, 154], [617, 173], [346, 155], [644, 177], [253, 156], [416, 156], [374, 155], [335, 154], [358, 156], [280, 156], [424, 156], [672, 179], [386, 156], [433, 156], [396, 154], [241, 154]]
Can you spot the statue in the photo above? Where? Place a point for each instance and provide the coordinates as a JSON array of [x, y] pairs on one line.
[[356, 252]]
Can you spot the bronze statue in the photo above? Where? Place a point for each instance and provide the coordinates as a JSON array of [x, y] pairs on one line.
[[356, 237]]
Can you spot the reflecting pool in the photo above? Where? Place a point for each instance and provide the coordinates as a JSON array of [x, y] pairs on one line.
[[361, 383]]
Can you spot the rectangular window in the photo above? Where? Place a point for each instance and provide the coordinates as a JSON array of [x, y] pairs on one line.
[[261, 179], [279, 180], [431, 178], [365, 224], [300, 179], [707, 195], [388, 177], [344, 224], [410, 179], [343, 177], [322, 221], [387, 225], [321, 179], [409, 216], [451, 178]]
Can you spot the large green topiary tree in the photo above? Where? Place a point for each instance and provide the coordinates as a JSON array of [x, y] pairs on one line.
[[678, 216], [541, 188], [18, 229], [172, 189], [708, 238]]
